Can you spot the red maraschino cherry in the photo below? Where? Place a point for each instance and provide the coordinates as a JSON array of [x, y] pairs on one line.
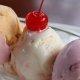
[[36, 20]]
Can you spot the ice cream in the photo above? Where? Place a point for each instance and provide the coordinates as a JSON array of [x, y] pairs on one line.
[[4, 50], [36, 50], [9, 24], [10, 31], [67, 64]]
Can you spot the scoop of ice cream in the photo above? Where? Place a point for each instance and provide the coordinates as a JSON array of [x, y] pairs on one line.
[[4, 50], [34, 54], [9, 24], [67, 64]]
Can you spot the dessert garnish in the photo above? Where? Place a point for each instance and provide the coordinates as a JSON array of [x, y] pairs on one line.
[[37, 20]]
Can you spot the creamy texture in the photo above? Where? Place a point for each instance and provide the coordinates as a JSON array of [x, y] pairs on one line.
[[34, 54], [67, 64], [9, 24]]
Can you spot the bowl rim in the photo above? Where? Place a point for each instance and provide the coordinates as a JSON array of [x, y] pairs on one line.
[[70, 29]]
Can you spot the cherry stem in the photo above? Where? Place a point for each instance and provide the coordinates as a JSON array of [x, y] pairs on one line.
[[41, 5]]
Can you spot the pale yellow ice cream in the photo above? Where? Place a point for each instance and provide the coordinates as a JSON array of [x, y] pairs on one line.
[[10, 31], [9, 24]]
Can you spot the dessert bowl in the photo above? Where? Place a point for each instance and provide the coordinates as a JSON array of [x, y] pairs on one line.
[[66, 32]]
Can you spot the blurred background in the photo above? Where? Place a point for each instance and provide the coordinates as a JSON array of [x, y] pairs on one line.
[[58, 11]]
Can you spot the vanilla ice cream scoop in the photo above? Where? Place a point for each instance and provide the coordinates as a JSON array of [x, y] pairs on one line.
[[9, 24], [67, 64], [34, 54]]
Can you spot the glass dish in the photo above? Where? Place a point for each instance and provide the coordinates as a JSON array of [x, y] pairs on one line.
[[64, 33]]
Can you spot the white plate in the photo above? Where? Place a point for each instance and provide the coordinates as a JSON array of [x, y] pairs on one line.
[[66, 32]]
